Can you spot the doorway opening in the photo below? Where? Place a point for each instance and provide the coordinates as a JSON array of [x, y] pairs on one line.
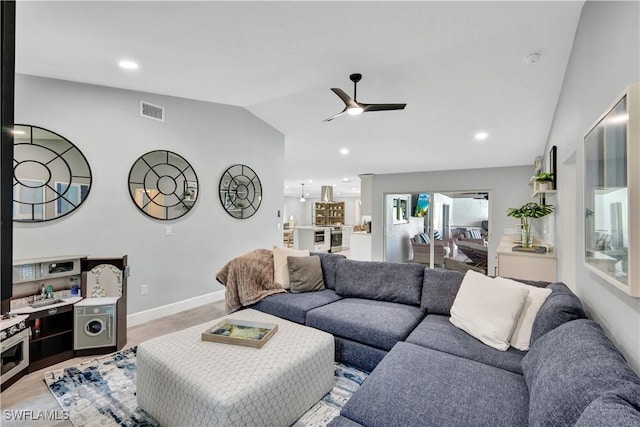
[[441, 229]]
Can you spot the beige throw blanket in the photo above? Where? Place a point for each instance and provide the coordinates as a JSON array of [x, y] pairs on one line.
[[248, 279]]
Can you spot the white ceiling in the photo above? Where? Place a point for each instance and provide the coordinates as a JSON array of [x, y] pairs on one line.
[[459, 66]]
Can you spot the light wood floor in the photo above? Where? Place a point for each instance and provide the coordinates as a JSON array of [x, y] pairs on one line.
[[30, 393]]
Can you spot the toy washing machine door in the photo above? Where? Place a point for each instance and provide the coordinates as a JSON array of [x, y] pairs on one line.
[[95, 327]]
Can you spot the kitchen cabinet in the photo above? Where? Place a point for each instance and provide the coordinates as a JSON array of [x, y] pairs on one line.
[[328, 213], [523, 265], [51, 336], [315, 239], [360, 246]]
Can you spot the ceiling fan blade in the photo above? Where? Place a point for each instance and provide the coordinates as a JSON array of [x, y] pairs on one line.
[[348, 101], [335, 116], [382, 107]]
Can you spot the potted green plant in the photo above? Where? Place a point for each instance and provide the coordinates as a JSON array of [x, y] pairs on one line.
[[545, 181], [525, 214]]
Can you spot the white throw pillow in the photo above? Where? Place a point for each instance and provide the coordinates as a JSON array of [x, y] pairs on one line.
[[280, 266], [488, 309], [536, 297]]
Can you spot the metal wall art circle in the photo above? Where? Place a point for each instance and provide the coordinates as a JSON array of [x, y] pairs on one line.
[[163, 185], [51, 176], [240, 191]]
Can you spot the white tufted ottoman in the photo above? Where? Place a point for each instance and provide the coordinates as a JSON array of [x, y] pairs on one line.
[[184, 381]]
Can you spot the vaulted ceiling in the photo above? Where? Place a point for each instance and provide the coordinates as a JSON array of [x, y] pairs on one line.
[[460, 66]]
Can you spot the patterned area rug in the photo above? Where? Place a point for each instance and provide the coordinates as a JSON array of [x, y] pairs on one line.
[[102, 392]]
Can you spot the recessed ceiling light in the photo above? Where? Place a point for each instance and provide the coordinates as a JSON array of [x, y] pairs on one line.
[[128, 65], [345, 179], [310, 180], [481, 136], [344, 151]]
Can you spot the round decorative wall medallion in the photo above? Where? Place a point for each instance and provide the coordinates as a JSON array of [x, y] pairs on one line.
[[240, 191], [51, 176], [163, 185]]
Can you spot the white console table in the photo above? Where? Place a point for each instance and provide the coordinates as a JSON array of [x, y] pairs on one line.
[[522, 265]]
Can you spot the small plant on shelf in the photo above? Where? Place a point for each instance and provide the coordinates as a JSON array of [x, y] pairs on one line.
[[544, 181], [544, 177], [525, 214]]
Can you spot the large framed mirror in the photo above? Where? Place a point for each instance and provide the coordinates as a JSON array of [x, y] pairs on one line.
[[240, 191], [611, 190], [51, 176], [163, 185]]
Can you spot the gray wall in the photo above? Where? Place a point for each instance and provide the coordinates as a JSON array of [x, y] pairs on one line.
[[605, 58], [398, 236], [469, 212], [301, 211], [508, 187], [105, 124]]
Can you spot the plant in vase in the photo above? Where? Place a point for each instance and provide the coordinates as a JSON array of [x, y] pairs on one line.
[[545, 181], [525, 214]]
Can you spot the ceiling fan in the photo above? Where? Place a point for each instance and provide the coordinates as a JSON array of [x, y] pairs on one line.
[[353, 107]]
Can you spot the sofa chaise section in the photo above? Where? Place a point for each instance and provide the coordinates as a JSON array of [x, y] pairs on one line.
[[417, 386]]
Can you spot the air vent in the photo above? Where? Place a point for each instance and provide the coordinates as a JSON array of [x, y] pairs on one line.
[[151, 111]]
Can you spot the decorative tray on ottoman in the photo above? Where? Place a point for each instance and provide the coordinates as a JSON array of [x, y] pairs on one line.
[[241, 332]]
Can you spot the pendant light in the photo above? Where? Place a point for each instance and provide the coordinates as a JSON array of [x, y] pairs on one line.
[[302, 199]]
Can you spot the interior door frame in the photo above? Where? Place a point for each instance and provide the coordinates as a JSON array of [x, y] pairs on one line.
[[386, 212]]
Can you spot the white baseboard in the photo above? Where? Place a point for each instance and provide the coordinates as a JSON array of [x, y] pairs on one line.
[[176, 307]]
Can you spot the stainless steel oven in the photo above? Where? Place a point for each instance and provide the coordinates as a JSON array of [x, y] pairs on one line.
[[319, 236], [336, 239], [15, 351]]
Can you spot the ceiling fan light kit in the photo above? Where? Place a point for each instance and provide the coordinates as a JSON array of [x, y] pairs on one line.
[[353, 107]]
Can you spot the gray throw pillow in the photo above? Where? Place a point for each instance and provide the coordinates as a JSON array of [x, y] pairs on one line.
[[305, 274]]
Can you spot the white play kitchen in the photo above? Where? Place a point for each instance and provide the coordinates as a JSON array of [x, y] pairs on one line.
[[62, 307]]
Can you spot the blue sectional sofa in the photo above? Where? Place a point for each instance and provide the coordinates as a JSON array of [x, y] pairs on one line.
[[393, 321]]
